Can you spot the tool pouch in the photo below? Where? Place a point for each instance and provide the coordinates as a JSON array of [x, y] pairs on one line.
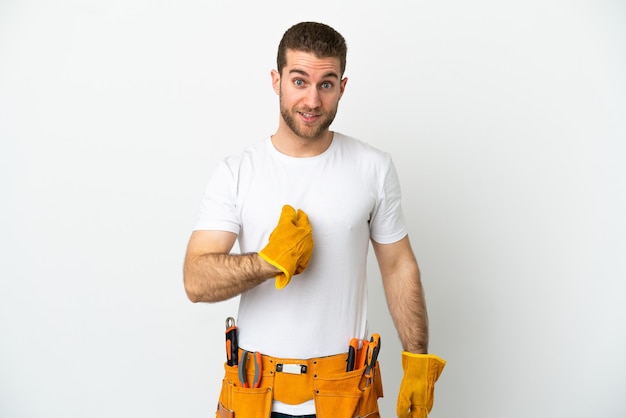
[[336, 393], [348, 394], [239, 402]]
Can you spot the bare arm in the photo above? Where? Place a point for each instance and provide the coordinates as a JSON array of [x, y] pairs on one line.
[[211, 274], [405, 296]]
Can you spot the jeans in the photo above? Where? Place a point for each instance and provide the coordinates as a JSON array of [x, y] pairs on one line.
[[279, 415]]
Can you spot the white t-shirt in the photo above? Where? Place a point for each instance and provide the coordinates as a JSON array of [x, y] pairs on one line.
[[351, 194]]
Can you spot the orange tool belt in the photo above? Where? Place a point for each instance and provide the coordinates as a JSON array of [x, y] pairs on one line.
[[337, 392]]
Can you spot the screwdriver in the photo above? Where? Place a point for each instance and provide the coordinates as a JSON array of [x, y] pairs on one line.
[[352, 352], [232, 346]]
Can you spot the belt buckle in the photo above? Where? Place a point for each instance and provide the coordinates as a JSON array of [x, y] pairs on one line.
[[291, 368]]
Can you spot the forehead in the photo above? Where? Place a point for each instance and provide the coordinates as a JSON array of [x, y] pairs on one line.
[[308, 63]]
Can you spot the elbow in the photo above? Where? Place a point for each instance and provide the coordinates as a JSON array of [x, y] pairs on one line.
[[195, 295], [197, 292], [193, 291], [192, 296]]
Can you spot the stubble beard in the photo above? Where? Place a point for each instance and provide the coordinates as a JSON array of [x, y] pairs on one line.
[[303, 130]]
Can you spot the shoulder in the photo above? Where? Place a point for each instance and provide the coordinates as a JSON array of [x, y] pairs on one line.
[[357, 148], [254, 151]]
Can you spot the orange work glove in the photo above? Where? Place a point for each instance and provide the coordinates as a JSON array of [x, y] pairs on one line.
[[290, 245], [416, 396]]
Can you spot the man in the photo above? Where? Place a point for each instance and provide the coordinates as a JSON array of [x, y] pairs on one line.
[[304, 204]]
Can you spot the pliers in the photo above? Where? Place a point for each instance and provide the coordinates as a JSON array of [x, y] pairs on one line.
[[258, 369], [372, 355]]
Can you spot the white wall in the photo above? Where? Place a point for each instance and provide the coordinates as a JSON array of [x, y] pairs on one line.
[[506, 121]]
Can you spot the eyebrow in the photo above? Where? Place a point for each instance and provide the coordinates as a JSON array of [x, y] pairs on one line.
[[330, 74]]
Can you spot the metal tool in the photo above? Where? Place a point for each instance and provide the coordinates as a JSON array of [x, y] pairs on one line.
[[291, 368], [232, 346], [373, 349], [352, 354], [258, 369]]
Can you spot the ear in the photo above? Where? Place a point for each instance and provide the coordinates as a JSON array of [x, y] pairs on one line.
[[342, 86], [275, 81]]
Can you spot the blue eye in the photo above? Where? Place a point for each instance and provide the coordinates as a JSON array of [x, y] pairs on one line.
[[298, 82], [327, 85]]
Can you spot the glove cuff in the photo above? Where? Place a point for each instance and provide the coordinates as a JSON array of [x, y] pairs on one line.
[[423, 356], [275, 264], [281, 281]]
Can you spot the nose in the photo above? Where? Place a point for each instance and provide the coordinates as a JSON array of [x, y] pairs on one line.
[[312, 99]]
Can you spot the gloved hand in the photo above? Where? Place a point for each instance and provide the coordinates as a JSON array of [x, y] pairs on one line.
[[416, 396], [290, 245]]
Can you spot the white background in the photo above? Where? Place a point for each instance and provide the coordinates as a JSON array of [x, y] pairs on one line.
[[506, 121]]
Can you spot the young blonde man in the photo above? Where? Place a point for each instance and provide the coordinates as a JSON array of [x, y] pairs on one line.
[[304, 205]]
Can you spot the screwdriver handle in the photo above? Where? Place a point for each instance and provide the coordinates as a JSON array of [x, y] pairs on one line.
[[232, 345]]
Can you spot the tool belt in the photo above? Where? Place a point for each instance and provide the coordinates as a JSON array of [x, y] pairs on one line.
[[337, 393]]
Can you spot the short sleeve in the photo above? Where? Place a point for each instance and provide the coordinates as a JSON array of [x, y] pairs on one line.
[[218, 209], [387, 223]]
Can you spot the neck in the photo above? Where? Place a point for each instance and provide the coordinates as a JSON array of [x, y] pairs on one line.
[[288, 143]]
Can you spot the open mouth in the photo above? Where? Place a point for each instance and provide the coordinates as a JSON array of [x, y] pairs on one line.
[[309, 117]]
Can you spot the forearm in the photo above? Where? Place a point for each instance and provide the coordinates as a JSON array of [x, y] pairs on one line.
[[215, 277], [405, 296], [407, 306]]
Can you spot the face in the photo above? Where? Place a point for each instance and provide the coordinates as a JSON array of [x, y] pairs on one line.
[[309, 90]]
